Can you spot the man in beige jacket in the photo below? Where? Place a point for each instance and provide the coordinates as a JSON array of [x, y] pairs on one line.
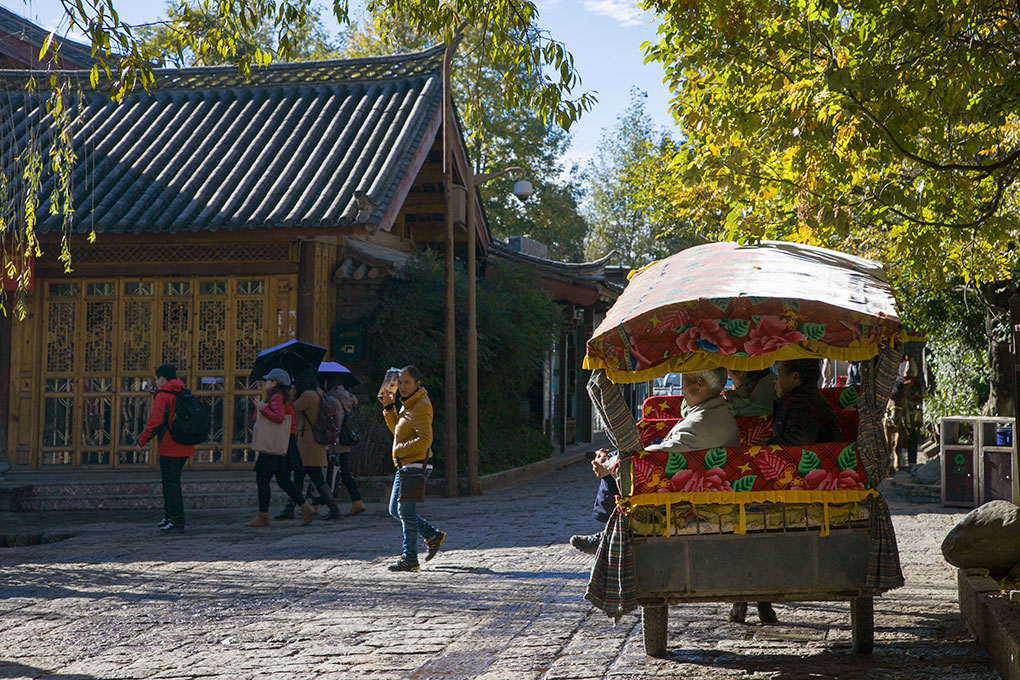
[[708, 424]]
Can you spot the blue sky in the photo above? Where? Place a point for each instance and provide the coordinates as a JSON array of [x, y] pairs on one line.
[[604, 36]]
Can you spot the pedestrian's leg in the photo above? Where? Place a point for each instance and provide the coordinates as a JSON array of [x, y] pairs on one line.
[[394, 495], [296, 479], [347, 479], [285, 481], [407, 514], [410, 522], [263, 475], [262, 479], [170, 474], [164, 478], [912, 441], [315, 475], [176, 495]]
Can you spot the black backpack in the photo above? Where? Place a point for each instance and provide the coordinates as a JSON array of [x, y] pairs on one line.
[[192, 420], [349, 430], [326, 428]]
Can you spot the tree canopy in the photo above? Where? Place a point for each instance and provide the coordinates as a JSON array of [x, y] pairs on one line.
[[884, 128], [308, 40], [499, 133], [617, 221]]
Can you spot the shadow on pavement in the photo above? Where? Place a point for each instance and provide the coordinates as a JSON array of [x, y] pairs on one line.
[[11, 669]]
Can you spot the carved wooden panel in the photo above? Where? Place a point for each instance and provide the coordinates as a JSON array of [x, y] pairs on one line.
[[101, 341]]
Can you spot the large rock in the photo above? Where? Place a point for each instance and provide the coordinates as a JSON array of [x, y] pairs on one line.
[[928, 473], [987, 537]]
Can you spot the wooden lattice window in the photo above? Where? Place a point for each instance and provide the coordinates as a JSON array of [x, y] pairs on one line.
[[103, 340]]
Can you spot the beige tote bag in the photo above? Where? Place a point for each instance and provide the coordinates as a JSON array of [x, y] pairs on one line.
[[270, 437]]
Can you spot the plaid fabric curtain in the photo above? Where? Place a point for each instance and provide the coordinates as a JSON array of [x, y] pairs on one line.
[[611, 585], [619, 421], [878, 378]]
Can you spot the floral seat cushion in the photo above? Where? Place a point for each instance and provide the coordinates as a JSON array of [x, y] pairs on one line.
[[818, 467]]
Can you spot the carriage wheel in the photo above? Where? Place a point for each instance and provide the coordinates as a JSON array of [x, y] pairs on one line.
[[862, 624], [654, 624]]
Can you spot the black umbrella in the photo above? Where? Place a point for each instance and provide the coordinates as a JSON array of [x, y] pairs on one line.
[[331, 369], [292, 356]]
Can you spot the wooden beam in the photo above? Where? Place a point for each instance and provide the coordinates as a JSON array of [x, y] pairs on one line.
[[306, 293], [171, 270], [419, 158]]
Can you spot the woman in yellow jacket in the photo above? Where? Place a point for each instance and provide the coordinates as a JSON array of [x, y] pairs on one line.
[[411, 425]]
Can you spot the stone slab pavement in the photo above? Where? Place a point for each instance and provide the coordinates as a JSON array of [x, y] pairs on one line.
[[501, 601]]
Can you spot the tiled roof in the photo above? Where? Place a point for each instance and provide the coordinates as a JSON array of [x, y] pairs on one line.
[[317, 144], [34, 36], [587, 275]]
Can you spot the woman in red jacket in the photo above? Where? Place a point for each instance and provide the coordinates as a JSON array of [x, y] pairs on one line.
[[172, 455], [268, 465]]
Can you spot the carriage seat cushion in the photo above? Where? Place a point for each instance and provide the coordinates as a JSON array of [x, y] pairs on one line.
[[823, 467]]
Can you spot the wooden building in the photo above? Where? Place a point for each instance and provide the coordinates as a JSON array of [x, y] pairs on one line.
[[230, 215]]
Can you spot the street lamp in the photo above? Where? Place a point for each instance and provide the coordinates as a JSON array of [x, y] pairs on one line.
[[522, 190]]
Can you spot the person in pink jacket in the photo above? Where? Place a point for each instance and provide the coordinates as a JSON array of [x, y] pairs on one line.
[[172, 455], [276, 408]]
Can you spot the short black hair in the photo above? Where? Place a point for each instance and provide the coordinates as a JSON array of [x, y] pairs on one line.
[[413, 372], [809, 370], [168, 371]]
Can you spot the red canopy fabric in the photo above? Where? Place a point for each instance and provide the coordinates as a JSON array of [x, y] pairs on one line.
[[744, 307]]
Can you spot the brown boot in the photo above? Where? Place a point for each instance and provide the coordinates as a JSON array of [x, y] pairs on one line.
[[307, 514], [261, 520], [357, 507]]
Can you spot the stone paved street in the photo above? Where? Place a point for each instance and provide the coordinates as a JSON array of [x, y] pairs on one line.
[[501, 601]]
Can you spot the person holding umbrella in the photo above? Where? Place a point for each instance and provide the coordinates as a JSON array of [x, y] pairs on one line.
[[336, 379], [308, 410], [272, 449]]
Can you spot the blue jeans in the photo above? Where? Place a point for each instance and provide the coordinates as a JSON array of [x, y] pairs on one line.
[[410, 521]]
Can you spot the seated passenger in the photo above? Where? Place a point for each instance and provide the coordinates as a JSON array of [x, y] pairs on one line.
[[708, 424], [753, 392], [801, 415]]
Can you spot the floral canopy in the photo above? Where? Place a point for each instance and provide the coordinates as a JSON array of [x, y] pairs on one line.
[[744, 307]]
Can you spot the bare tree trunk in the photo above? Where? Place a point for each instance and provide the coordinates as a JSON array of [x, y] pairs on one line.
[[1001, 397]]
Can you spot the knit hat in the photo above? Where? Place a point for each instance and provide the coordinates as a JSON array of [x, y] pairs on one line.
[[279, 375]]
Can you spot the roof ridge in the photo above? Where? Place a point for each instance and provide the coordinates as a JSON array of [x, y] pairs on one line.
[[594, 264], [26, 29], [367, 69]]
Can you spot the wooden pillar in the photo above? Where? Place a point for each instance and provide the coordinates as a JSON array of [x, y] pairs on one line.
[[561, 390], [5, 384], [449, 330], [306, 292], [584, 407], [474, 486], [1014, 327]]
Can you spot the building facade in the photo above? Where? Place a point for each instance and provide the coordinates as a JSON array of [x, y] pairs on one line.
[[230, 215]]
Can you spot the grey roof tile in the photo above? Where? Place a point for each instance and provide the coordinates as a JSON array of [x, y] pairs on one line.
[[207, 150]]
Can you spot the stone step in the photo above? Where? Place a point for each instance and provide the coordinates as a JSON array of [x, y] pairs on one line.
[[148, 494], [140, 487], [144, 501]]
